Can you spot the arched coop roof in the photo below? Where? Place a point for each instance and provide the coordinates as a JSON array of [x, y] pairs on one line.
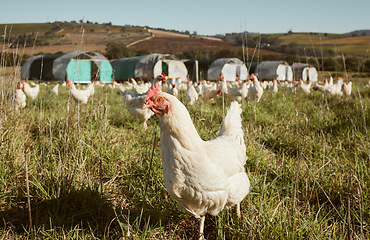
[[149, 66], [230, 68], [269, 70], [304, 71], [61, 63]]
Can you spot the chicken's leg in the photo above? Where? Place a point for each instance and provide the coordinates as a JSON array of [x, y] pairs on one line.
[[201, 227], [237, 210]]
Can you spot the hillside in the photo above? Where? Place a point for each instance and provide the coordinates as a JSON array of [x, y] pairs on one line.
[[67, 36], [294, 43], [43, 38]]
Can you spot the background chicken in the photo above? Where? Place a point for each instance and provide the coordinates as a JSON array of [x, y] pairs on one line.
[[81, 95], [290, 87], [255, 91], [199, 88], [210, 91], [54, 90], [19, 98], [173, 90], [237, 93], [329, 88], [273, 88], [347, 89], [191, 94], [134, 101], [31, 92], [203, 176], [305, 87]]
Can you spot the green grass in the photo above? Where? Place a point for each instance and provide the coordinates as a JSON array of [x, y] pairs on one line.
[[308, 161]]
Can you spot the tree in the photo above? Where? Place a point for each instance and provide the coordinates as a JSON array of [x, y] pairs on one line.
[[366, 67], [115, 50], [353, 64], [225, 54], [143, 52]]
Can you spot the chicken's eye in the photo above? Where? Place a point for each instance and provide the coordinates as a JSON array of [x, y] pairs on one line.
[[159, 100]]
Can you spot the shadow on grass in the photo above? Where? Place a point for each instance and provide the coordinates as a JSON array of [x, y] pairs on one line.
[[93, 214], [78, 207]]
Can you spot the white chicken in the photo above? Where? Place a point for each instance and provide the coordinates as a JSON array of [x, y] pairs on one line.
[[31, 92], [273, 88], [54, 90], [223, 87], [329, 89], [191, 94], [19, 98], [81, 95], [237, 93], [255, 91], [141, 87], [173, 90], [134, 101], [290, 87], [265, 85], [305, 87], [367, 85], [199, 88], [210, 92], [347, 89], [204, 177]]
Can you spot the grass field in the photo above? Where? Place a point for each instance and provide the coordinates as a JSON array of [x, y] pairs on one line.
[[85, 171], [21, 28]]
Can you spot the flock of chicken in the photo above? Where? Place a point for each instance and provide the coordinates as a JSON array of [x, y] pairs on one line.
[[250, 89], [24, 90], [204, 177]]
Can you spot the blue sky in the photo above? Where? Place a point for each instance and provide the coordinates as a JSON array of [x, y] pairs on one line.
[[204, 17]]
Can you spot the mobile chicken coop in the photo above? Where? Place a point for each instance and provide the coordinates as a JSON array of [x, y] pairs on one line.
[[230, 68], [305, 72], [78, 66], [39, 67], [147, 67], [270, 70], [82, 67]]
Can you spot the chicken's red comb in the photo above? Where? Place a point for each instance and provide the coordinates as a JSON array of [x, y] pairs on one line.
[[162, 76], [153, 91]]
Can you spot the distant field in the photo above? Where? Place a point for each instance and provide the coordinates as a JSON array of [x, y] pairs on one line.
[[26, 27], [308, 38], [360, 40], [352, 49], [338, 43], [59, 48]]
